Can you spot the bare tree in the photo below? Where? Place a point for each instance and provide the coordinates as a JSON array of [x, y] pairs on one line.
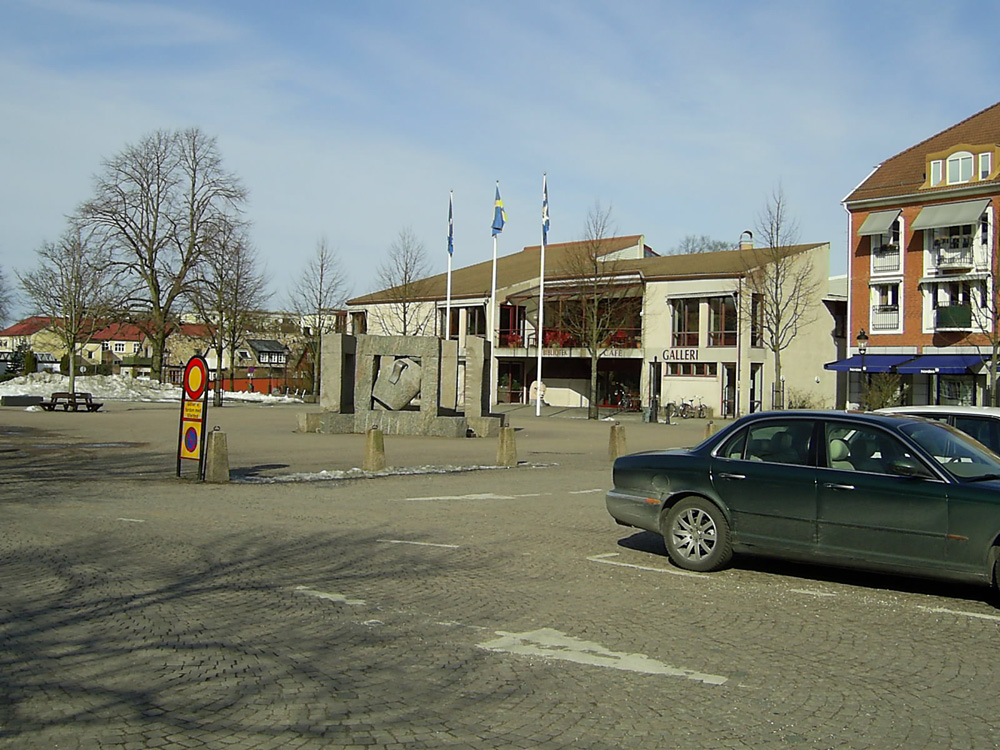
[[403, 277], [321, 290], [155, 205], [6, 298], [779, 288], [693, 243], [76, 287], [604, 308], [231, 289]]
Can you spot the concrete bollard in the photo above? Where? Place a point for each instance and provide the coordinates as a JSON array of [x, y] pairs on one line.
[[374, 450], [617, 446], [709, 429], [216, 457], [507, 448], [309, 421]]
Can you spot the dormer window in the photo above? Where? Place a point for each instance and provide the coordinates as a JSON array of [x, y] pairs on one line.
[[936, 171], [959, 167], [985, 165]]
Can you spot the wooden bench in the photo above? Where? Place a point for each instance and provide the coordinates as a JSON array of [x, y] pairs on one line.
[[71, 401]]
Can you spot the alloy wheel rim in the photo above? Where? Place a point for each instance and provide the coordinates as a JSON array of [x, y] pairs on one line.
[[695, 534]]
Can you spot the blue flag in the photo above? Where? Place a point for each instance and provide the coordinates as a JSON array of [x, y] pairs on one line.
[[499, 215], [451, 223], [545, 210]]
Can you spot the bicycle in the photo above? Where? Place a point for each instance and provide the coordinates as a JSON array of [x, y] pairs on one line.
[[625, 401], [689, 410]]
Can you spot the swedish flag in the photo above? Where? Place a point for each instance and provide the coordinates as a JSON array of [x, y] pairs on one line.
[[499, 215]]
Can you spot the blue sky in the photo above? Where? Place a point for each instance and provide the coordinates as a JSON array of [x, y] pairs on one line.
[[353, 120]]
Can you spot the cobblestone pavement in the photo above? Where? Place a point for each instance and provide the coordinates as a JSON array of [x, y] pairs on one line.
[[486, 609]]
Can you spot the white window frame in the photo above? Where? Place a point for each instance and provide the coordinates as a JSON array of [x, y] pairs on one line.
[[119, 347], [957, 164], [937, 172], [886, 293], [985, 165]]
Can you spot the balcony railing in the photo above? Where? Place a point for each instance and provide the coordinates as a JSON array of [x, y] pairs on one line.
[[885, 259], [953, 257], [885, 317], [953, 317]]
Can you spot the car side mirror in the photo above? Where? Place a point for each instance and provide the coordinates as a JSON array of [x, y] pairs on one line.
[[908, 467]]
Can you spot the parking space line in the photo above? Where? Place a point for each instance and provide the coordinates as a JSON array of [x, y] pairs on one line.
[[547, 643], [603, 559], [417, 544], [944, 611], [338, 598], [474, 496]]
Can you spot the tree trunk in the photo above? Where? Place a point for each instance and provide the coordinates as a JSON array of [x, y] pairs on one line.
[[777, 392], [217, 384], [592, 408], [316, 368], [72, 369], [994, 395]]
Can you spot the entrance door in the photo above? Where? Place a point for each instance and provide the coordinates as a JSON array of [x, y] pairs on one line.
[[729, 391], [510, 382], [755, 391]]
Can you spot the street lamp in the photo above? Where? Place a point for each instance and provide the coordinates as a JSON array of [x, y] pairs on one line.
[[862, 339]]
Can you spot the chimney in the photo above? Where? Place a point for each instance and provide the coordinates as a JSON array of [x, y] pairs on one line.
[[747, 242]]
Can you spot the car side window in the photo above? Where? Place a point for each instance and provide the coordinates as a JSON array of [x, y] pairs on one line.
[[781, 442], [733, 448], [983, 430], [854, 447]]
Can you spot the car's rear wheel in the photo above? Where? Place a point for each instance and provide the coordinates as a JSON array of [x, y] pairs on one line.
[[697, 535]]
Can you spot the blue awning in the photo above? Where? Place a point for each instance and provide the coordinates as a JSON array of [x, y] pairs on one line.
[[872, 363], [947, 364]]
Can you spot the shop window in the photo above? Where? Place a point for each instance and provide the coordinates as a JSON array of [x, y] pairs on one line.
[[686, 322], [691, 369], [722, 328]]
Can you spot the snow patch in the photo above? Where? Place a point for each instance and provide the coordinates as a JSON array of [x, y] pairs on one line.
[[118, 388]]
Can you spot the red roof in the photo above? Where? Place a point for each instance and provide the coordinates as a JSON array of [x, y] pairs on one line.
[[905, 173], [28, 326]]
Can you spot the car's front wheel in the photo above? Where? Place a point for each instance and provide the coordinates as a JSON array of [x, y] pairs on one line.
[[697, 535]]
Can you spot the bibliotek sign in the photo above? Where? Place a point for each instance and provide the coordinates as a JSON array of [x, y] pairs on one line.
[[194, 413]]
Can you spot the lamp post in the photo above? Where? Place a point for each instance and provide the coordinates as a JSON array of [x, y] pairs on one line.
[[739, 324], [862, 339]]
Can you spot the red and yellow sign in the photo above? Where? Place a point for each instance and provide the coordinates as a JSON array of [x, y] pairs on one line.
[[191, 440], [194, 411], [195, 378]]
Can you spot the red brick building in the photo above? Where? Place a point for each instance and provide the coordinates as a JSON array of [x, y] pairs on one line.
[[922, 265]]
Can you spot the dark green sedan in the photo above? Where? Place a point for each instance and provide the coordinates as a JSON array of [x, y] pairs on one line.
[[887, 493]]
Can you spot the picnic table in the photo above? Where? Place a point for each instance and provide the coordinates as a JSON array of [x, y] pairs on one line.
[[71, 401]]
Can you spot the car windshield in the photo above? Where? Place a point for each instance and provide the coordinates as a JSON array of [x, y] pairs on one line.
[[958, 454]]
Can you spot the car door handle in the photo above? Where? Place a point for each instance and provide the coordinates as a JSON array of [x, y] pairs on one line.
[[727, 475], [839, 486]]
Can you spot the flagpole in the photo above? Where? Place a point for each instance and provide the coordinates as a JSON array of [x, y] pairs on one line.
[[493, 322], [499, 217], [541, 299], [451, 248]]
